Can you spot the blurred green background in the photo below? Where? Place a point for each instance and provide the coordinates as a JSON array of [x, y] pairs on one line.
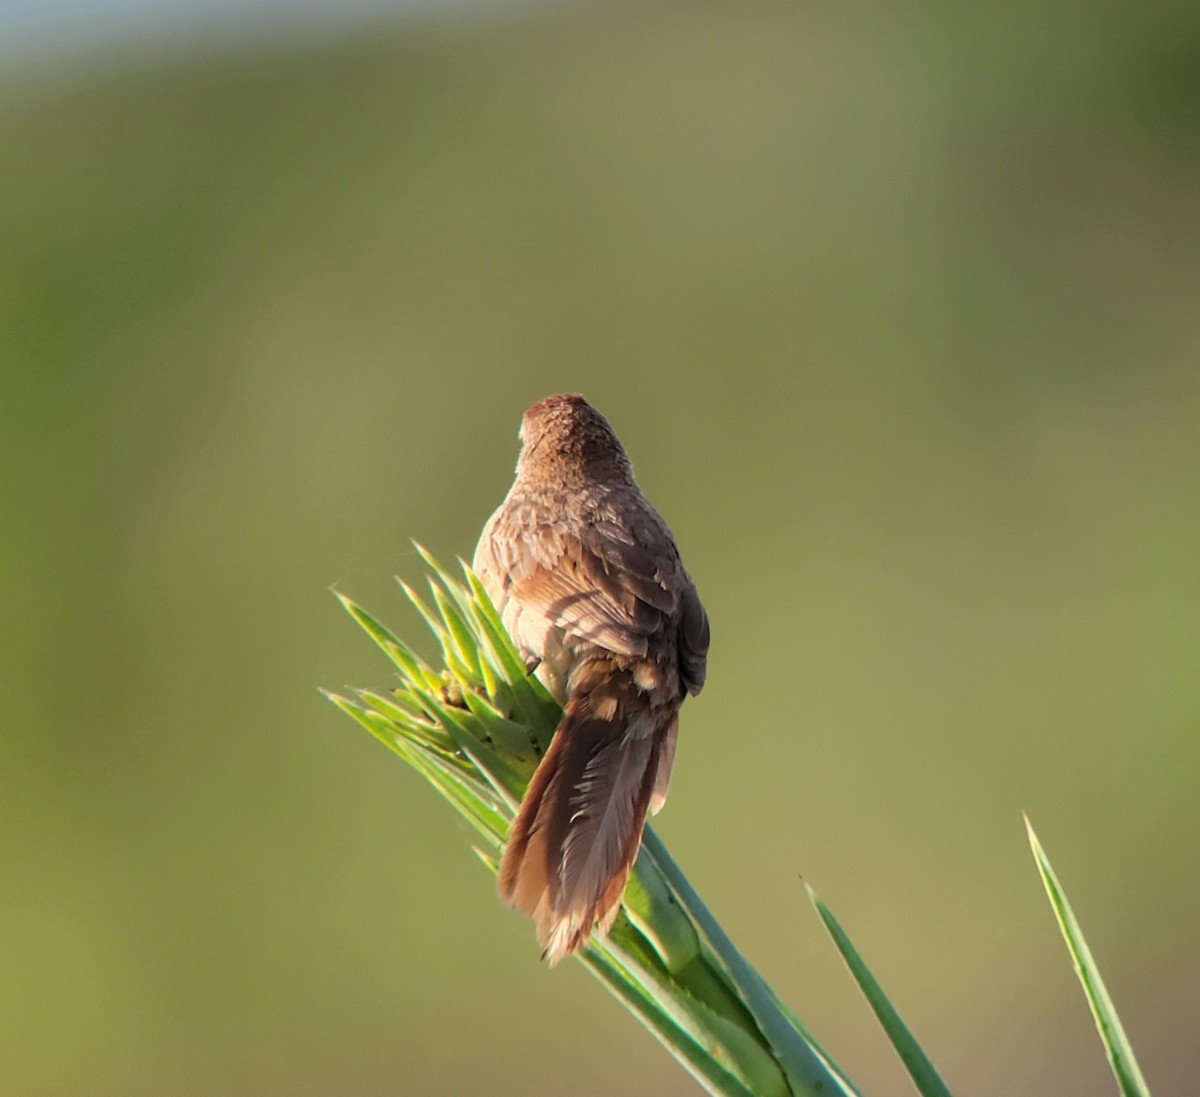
[[898, 313]]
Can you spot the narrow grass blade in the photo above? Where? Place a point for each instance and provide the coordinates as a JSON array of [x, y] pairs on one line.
[[1120, 1054], [470, 797], [509, 737], [809, 1071], [540, 711], [406, 662], [924, 1075], [715, 1078], [726, 1060], [511, 664], [726, 1044], [454, 661], [456, 627], [394, 711]]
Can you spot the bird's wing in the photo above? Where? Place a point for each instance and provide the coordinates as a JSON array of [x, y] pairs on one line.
[[605, 585], [693, 641]]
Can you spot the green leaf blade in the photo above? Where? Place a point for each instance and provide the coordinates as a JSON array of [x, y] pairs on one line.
[[1112, 1033], [919, 1066], [809, 1070], [716, 1078], [409, 665]]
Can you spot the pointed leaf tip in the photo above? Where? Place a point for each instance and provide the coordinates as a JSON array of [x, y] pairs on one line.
[[1104, 1013], [920, 1067]]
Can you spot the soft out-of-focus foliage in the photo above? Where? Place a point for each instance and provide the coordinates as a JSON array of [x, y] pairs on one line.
[[895, 311]]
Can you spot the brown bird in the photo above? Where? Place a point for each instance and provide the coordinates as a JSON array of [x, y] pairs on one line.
[[589, 583]]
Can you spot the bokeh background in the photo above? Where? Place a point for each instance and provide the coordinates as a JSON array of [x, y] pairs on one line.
[[898, 312]]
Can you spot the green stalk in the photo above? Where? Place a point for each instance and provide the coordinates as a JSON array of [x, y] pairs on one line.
[[475, 729]]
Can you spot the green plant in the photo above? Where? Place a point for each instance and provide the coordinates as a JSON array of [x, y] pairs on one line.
[[475, 729]]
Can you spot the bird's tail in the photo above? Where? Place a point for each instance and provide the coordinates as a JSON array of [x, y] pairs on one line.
[[579, 827]]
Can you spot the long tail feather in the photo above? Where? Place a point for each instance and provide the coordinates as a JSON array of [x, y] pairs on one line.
[[579, 826]]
